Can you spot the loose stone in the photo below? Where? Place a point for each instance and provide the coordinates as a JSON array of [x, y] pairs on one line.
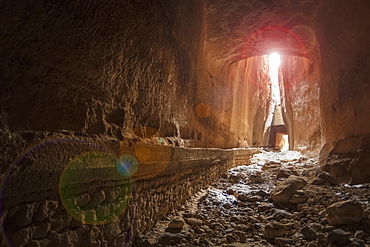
[[275, 229], [345, 212]]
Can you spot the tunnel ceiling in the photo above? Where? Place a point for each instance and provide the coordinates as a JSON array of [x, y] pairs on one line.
[[240, 29]]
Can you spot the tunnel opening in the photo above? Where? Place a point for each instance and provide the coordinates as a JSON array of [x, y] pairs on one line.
[[277, 96], [275, 127]]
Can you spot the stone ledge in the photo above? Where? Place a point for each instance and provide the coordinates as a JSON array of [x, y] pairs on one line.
[[188, 171]]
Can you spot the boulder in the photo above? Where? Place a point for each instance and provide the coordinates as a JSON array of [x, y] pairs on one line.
[[346, 212], [285, 173], [285, 190], [339, 237], [328, 178], [193, 221], [249, 198], [255, 179], [176, 223], [169, 239], [298, 199], [233, 179], [275, 229], [317, 181], [280, 214], [271, 165], [308, 233]]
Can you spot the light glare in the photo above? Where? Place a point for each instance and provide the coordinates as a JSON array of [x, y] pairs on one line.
[[285, 143], [274, 62], [274, 59]]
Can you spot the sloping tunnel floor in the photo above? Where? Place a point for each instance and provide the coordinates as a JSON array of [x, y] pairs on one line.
[[239, 210]]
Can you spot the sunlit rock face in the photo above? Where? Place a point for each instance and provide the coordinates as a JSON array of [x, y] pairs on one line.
[[238, 102], [250, 83], [301, 103]]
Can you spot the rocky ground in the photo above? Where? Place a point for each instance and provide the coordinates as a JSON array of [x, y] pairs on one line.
[[280, 199]]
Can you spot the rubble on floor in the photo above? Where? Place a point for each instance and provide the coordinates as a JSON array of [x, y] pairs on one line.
[[280, 199]]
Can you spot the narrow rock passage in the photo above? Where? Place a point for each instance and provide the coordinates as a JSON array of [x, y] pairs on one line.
[[280, 199]]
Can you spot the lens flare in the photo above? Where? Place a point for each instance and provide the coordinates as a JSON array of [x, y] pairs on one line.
[[85, 184], [292, 37], [151, 159], [302, 36], [126, 165], [88, 202]]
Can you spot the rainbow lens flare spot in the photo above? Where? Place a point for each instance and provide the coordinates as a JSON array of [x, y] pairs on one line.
[[126, 165]]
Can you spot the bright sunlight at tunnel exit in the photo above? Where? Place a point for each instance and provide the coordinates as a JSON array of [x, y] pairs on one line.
[[274, 63]]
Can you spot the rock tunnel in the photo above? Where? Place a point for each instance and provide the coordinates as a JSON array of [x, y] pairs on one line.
[[114, 114]]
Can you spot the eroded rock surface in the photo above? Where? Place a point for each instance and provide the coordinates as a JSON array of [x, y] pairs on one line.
[[285, 190], [344, 212]]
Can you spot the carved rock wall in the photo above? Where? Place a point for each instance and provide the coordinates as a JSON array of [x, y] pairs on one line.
[[344, 34], [99, 68], [237, 103], [301, 103], [343, 31]]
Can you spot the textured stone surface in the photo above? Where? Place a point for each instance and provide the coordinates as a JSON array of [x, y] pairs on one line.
[[298, 199], [97, 198], [344, 86], [41, 230], [345, 93], [214, 218], [21, 237], [328, 178], [308, 233], [301, 103], [46, 210], [284, 173], [324, 69], [176, 223], [97, 68], [275, 229], [237, 100], [345, 212], [24, 215], [285, 190], [339, 237]]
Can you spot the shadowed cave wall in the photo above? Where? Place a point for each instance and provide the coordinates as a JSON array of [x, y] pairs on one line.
[[82, 82]]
